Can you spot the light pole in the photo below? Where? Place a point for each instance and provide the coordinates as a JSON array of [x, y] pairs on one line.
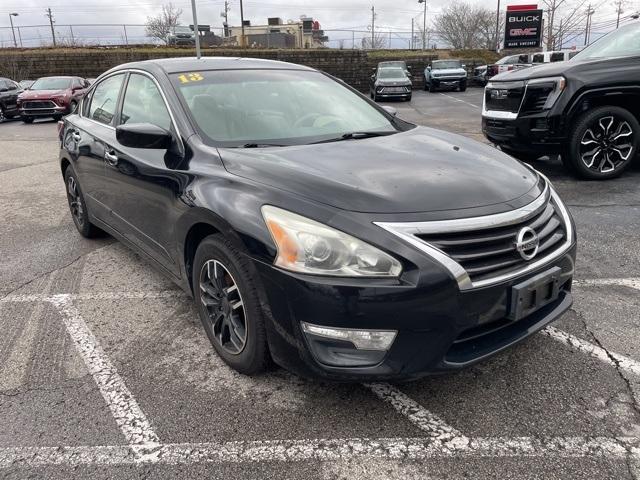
[[11, 15], [195, 27], [424, 24]]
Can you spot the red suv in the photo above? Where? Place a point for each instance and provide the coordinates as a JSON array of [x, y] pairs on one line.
[[51, 97]]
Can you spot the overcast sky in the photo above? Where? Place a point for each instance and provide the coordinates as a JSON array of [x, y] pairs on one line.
[[332, 14]]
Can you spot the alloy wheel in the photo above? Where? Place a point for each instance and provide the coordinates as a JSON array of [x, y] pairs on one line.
[[607, 144], [220, 296], [2, 117], [75, 200]]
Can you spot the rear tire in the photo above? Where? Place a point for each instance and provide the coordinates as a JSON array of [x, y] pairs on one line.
[[78, 207], [603, 143], [227, 300]]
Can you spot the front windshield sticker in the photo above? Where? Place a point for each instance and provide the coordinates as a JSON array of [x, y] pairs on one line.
[[190, 77]]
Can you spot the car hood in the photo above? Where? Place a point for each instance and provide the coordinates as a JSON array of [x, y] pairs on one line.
[[37, 94], [393, 81], [545, 70], [449, 71], [420, 170]]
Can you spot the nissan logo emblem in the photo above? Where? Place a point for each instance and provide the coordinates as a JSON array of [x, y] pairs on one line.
[[527, 243]]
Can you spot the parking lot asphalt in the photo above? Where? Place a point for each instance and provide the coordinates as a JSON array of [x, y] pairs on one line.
[[105, 371]]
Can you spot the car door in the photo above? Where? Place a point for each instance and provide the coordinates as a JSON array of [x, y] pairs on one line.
[[85, 139], [147, 192]]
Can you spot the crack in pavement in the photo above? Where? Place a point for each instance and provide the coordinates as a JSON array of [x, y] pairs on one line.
[[49, 272], [66, 384], [634, 402]]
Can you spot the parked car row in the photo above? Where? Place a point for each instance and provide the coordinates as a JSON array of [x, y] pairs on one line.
[[45, 97]]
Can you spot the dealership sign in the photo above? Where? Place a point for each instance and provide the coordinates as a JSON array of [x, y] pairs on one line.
[[523, 27]]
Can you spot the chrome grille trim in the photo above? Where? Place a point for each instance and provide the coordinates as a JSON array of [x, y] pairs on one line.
[[409, 231]]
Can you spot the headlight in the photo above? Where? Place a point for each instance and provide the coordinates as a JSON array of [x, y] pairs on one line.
[[307, 246], [552, 87]]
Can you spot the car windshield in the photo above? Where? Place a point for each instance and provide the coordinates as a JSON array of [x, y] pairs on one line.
[[391, 72], [446, 64], [235, 108], [51, 83], [182, 29], [622, 42], [398, 64]]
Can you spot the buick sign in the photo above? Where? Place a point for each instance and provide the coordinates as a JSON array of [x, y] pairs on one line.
[[523, 29]]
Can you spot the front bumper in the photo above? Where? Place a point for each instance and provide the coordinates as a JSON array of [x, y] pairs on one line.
[[439, 327], [44, 111], [384, 92], [447, 82], [541, 133]]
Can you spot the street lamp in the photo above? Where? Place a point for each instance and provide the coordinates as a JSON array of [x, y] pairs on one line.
[[11, 15], [424, 24]]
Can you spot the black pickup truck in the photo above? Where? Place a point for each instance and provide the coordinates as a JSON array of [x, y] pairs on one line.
[[586, 109]]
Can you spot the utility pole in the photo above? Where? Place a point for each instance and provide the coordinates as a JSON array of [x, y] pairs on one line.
[[619, 11], [411, 42], [242, 26], [11, 15], [424, 24], [373, 26], [51, 22], [225, 15], [587, 33], [126, 38], [498, 27]]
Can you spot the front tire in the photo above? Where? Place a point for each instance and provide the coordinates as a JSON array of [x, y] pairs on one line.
[[27, 119], [603, 143], [463, 85], [432, 88], [78, 207], [227, 299]]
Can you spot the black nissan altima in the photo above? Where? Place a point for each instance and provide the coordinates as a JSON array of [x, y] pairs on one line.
[[313, 227]]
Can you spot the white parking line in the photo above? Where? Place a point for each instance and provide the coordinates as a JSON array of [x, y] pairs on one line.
[[611, 358], [322, 450], [94, 296], [422, 418], [459, 100], [127, 413], [625, 282]]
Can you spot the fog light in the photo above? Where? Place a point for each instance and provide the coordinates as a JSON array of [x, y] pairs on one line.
[[362, 339]]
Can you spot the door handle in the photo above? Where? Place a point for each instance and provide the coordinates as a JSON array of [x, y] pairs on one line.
[[111, 158]]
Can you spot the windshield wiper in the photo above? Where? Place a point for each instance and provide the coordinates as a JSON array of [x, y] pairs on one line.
[[357, 136], [260, 145]]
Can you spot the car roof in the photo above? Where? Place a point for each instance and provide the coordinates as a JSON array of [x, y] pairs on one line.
[[185, 64]]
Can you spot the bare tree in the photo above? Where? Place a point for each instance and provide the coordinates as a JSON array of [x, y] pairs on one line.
[[562, 17], [160, 26], [379, 41], [463, 25]]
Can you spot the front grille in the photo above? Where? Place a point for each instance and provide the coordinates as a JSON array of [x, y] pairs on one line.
[[504, 98], [39, 104], [491, 252], [394, 90]]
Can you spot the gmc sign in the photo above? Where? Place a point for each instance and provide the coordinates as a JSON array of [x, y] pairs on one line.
[[523, 29]]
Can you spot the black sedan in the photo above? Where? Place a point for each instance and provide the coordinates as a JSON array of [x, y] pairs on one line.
[[390, 82], [311, 226], [9, 91]]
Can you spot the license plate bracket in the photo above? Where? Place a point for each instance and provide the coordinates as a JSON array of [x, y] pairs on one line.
[[534, 293]]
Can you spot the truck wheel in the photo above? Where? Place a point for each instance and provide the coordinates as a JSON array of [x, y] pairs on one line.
[[432, 88], [603, 143], [463, 85]]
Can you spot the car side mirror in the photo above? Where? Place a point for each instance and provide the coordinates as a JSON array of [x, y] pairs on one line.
[[429, 67], [143, 135], [390, 110]]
